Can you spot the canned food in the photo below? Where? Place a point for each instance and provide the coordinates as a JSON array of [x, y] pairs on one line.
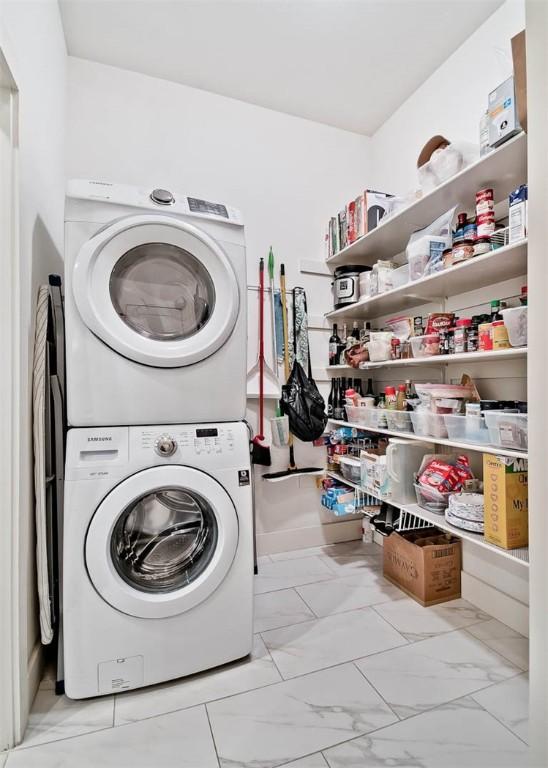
[[485, 201]]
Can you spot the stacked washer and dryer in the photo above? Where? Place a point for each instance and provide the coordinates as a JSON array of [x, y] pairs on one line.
[[158, 529]]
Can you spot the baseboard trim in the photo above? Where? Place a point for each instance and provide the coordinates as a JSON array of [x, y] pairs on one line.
[[313, 536], [510, 611]]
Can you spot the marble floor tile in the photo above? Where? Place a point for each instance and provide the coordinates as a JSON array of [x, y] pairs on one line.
[[58, 717], [267, 728], [348, 593], [4, 757], [346, 565], [178, 740], [508, 702], [312, 761], [343, 548], [257, 671], [279, 609], [457, 735], [417, 623], [503, 640], [332, 640], [431, 672], [291, 573]]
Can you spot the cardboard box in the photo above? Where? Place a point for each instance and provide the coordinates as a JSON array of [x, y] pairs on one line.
[[424, 565], [519, 59], [503, 114], [506, 501]]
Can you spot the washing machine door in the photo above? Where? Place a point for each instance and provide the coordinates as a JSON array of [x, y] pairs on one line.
[[161, 542], [157, 290]]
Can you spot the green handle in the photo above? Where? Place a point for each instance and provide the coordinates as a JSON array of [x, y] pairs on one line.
[[271, 263]]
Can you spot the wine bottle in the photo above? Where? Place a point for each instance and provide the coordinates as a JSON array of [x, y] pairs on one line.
[[355, 331], [330, 399], [370, 392], [338, 403], [358, 387], [334, 347]]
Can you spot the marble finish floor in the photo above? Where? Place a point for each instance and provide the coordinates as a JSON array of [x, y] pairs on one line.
[[346, 672]]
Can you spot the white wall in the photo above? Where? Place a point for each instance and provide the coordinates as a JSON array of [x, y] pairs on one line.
[[33, 36], [450, 102], [286, 174]]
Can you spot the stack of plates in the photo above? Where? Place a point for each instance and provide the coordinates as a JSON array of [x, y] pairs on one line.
[[465, 511]]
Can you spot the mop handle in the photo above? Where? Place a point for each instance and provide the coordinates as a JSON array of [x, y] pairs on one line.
[[272, 309], [261, 349], [286, 348]]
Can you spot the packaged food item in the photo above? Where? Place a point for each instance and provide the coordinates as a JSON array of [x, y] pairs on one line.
[[470, 231], [396, 348], [461, 334], [401, 403], [503, 117], [517, 214], [446, 477], [462, 221], [506, 501], [484, 337], [447, 258], [473, 336], [486, 224], [462, 251], [390, 398], [425, 346], [499, 334], [439, 321], [485, 200], [482, 245]]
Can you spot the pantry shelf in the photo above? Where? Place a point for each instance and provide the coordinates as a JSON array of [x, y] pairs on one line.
[[435, 440], [503, 169], [515, 353], [337, 476], [520, 555], [504, 263]]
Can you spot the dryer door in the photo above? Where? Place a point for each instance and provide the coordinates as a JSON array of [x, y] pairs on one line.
[[162, 541], [157, 290]]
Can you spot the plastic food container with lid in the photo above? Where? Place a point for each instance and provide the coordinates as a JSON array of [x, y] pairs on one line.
[[425, 346], [351, 469], [515, 320], [466, 429], [507, 430]]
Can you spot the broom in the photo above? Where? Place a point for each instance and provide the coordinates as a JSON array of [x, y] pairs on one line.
[[260, 454], [292, 469]]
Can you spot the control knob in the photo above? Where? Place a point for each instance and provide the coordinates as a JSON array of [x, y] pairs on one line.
[[162, 197], [165, 446]]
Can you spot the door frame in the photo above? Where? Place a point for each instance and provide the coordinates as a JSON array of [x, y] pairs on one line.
[[13, 661]]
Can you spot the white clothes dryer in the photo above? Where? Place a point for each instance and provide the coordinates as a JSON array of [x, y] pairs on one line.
[[157, 554], [155, 296]]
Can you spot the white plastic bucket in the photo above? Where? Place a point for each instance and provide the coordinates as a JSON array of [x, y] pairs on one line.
[[279, 427]]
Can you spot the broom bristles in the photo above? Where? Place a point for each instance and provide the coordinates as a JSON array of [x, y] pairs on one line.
[[260, 454]]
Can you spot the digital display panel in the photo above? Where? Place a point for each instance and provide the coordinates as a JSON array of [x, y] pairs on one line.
[[203, 206], [207, 433]]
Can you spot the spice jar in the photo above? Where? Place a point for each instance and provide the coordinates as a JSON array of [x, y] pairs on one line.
[[390, 398], [485, 338], [396, 349], [473, 336], [461, 335], [447, 257], [499, 332]]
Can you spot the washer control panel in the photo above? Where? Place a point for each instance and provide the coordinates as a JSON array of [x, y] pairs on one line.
[[178, 442]]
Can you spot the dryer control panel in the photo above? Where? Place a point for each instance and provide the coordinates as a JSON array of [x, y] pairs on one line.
[[199, 440]]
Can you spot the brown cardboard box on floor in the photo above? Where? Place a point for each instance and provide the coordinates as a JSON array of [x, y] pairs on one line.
[[423, 564]]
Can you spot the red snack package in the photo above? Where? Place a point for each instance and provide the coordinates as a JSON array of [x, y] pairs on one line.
[[439, 321]]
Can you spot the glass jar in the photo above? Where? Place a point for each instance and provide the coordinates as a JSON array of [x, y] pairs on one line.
[[461, 335]]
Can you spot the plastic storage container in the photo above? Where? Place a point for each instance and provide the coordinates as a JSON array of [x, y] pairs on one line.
[[507, 430], [515, 320], [467, 429], [431, 499], [376, 418], [380, 346], [428, 424], [350, 468], [425, 346], [400, 276], [398, 421], [356, 414]]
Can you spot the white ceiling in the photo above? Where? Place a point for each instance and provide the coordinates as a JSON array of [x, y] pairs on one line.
[[347, 63]]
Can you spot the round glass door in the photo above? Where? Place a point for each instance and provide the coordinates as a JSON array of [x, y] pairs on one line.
[[162, 291], [161, 541], [157, 290], [164, 540]]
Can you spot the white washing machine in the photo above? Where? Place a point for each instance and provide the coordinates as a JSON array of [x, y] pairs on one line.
[[157, 554], [155, 292]]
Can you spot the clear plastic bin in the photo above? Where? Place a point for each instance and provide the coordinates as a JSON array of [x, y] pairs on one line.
[[425, 346], [356, 415], [351, 469], [431, 499], [428, 424], [400, 276], [515, 320], [376, 418], [398, 421], [507, 430], [417, 265], [467, 429]]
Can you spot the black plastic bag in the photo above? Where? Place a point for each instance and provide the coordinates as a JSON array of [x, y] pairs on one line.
[[303, 405]]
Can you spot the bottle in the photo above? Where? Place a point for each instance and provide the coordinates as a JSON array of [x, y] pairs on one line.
[[369, 391], [358, 387], [342, 390], [338, 405], [390, 398], [355, 331], [400, 398], [462, 221], [344, 336], [523, 296], [495, 310], [365, 333], [334, 347], [330, 399]]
